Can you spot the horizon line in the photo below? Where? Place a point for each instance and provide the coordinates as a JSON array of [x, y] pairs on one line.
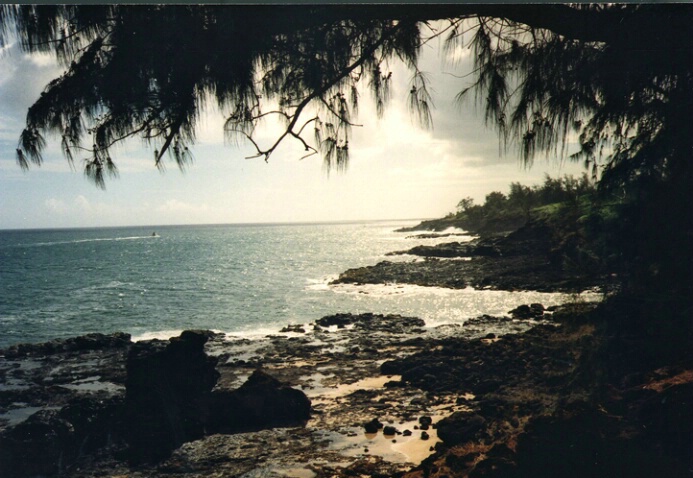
[[259, 223]]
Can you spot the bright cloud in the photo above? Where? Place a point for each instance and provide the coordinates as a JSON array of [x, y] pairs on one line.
[[56, 206]]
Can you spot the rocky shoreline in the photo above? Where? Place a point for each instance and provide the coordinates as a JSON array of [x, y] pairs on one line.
[[313, 398], [386, 398], [534, 393], [521, 260]]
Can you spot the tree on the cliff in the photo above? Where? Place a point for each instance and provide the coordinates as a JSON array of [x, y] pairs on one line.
[[522, 197], [616, 79], [465, 204], [619, 80]]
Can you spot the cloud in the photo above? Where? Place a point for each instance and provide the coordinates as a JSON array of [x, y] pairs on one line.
[[56, 206], [109, 212], [83, 204], [81, 211], [22, 78]]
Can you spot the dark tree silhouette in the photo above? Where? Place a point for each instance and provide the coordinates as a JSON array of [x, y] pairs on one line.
[[147, 70], [618, 75]]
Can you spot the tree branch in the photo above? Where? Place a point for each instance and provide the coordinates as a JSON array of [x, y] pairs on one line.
[[364, 56], [337, 115]]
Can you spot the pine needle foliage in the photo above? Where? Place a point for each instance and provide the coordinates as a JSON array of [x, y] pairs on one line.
[[148, 70], [608, 85], [621, 99]]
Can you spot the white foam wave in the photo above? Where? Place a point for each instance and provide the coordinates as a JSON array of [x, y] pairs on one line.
[[80, 241], [454, 230], [254, 334], [320, 284], [262, 332], [158, 335], [392, 289]]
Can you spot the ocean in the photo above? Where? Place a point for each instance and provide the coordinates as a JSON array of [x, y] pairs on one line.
[[252, 280]]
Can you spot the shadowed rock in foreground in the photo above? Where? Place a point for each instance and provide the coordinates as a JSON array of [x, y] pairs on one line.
[[261, 402], [169, 398], [155, 396], [167, 394]]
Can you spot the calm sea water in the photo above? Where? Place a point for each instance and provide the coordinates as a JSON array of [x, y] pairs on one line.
[[245, 279]]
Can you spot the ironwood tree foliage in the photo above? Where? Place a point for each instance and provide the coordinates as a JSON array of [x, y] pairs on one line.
[[619, 76], [147, 71]]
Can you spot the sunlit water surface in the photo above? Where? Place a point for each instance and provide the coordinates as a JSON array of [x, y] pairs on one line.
[[241, 279]]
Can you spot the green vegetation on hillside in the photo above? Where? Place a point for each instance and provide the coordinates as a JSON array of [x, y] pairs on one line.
[[581, 220], [500, 212], [505, 213]]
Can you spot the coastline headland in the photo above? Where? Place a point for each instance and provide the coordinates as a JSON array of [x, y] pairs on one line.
[[523, 259]]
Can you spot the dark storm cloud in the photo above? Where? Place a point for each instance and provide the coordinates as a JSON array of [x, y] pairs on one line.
[[460, 122]]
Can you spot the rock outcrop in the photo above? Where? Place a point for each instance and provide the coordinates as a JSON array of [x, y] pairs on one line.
[[83, 343], [374, 322], [261, 402], [168, 389], [521, 260], [140, 401], [51, 440]]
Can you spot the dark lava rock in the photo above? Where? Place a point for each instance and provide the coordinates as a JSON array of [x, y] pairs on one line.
[[377, 322], [480, 367], [493, 467], [51, 440], [460, 463], [96, 422], [524, 312], [167, 394], [569, 446], [669, 420], [73, 344], [449, 249], [299, 329], [37, 446], [435, 235], [390, 430], [261, 402], [373, 426], [585, 441], [459, 427], [340, 320], [432, 272], [499, 461]]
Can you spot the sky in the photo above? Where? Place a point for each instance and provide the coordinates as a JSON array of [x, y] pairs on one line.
[[397, 170]]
